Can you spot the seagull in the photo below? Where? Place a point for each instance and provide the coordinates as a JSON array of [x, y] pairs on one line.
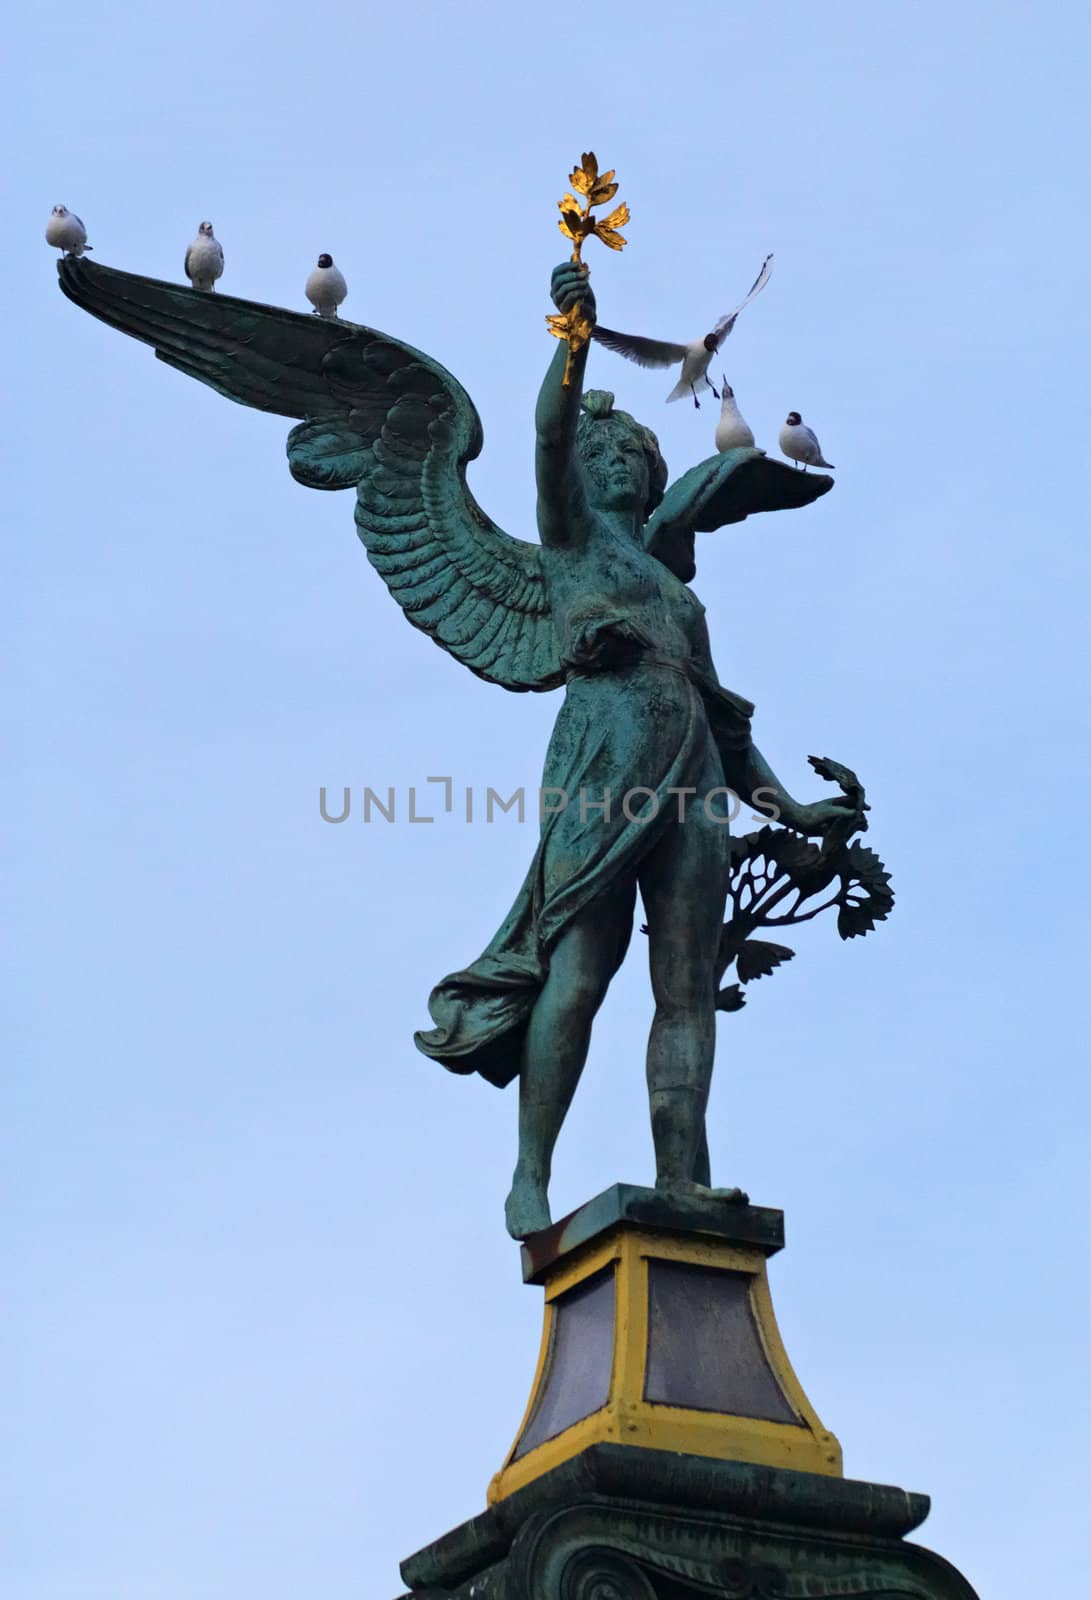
[[65, 232], [326, 287], [696, 357], [733, 432], [204, 259], [800, 443]]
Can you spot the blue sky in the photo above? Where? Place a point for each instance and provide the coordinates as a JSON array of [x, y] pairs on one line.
[[268, 1333]]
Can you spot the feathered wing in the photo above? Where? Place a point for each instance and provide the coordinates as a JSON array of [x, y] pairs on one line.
[[645, 352], [661, 353], [375, 414], [724, 489], [726, 323], [819, 458]]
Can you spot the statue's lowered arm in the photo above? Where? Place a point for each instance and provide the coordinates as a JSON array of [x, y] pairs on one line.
[[746, 771]]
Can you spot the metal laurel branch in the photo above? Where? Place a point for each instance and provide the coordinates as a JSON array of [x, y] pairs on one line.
[[577, 224], [776, 875]]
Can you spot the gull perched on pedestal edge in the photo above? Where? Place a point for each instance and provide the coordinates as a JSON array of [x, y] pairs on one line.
[[733, 432], [65, 232], [800, 443], [204, 259], [326, 287], [696, 357]]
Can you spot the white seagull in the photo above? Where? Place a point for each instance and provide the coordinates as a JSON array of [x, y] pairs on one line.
[[696, 357], [204, 258], [65, 232], [733, 432], [800, 443], [326, 287]]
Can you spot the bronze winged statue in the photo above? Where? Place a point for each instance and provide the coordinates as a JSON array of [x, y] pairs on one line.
[[648, 747]]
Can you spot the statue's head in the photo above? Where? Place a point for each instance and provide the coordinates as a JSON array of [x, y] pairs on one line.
[[620, 457]]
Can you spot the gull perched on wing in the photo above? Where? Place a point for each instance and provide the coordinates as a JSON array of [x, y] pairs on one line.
[[326, 287], [800, 443], [733, 432], [65, 232], [204, 259], [696, 357]]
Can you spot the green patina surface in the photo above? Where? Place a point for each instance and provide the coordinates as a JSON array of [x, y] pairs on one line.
[[698, 1215], [651, 1525], [602, 608], [647, 741]]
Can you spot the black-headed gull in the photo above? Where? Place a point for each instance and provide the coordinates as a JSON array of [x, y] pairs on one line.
[[733, 432], [326, 287], [696, 357], [204, 258], [800, 443], [65, 232]]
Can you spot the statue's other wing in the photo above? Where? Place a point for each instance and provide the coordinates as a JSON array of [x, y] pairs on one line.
[[724, 489], [377, 414]]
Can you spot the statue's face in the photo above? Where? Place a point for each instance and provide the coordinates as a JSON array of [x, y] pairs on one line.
[[615, 467]]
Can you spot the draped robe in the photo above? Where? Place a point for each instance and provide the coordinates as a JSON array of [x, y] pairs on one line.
[[642, 712]]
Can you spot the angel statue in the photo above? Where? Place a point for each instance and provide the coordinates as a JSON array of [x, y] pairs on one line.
[[648, 747]]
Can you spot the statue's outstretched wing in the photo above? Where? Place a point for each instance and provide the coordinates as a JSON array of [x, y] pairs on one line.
[[375, 414], [725, 488]]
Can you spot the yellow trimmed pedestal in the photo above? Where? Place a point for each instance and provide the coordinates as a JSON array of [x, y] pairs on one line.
[[659, 1333]]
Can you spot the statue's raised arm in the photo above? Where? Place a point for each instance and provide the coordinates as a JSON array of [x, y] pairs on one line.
[[376, 415], [563, 512]]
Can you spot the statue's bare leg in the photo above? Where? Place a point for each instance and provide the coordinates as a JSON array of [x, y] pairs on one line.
[[581, 966], [702, 1169], [683, 885]]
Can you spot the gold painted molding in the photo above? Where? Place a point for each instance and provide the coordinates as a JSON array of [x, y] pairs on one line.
[[627, 1417]]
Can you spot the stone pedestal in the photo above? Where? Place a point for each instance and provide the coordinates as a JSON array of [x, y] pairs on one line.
[[668, 1450], [617, 1523]]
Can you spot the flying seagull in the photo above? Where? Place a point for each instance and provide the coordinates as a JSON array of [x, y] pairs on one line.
[[696, 357], [733, 432], [204, 258], [800, 443], [326, 287], [65, 232]]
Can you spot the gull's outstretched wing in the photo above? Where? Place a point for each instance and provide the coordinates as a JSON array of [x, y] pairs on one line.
[[726, 323], [724, 489], [645, 352], [375, 414]]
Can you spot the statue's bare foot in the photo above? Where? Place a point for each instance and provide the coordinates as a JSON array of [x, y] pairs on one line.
[[687, 1189], [526, 1209]]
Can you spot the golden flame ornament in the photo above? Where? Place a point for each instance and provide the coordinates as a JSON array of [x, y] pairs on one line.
[[577, 224]]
